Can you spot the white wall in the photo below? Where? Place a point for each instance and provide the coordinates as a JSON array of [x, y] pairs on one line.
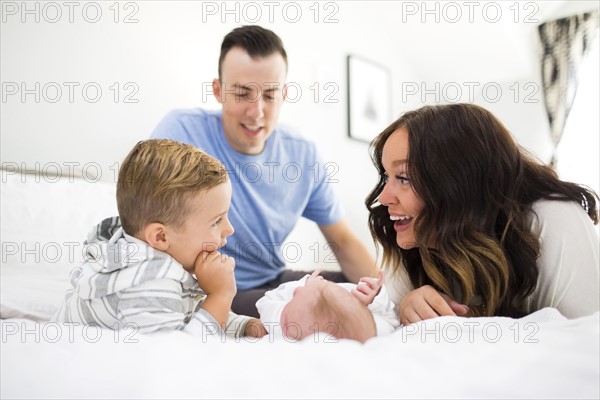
[[170, 54]]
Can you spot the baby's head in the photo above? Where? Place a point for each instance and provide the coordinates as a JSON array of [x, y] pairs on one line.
[[323, 306], [175, 198]]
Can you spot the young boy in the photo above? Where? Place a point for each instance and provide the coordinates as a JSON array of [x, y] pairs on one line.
[[139, 267], [312, 304]]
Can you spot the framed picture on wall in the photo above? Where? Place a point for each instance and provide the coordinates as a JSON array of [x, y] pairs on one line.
[[369, 98]]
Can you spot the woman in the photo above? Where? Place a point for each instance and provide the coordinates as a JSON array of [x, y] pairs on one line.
[[465, 214]]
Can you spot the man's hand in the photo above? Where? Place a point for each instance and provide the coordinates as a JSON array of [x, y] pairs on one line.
[[425, 303], [369, 288]]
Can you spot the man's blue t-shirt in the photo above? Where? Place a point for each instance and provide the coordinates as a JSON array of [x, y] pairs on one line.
[[271, 190]]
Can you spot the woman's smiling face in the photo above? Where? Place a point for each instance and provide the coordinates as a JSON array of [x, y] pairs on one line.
[[398, 194]]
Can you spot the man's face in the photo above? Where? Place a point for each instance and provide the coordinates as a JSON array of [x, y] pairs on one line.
[[251, 92]]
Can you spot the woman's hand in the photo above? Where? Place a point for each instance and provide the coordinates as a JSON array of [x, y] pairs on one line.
[[425, 303], [369, 288]]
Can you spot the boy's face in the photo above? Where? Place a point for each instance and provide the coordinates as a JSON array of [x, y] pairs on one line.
[[205, 229], [251, 92], [298, 318]]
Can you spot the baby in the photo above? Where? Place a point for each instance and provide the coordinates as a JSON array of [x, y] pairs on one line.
[[312, 304]]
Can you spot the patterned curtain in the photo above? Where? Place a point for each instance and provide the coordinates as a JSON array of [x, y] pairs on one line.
[[564, 43]]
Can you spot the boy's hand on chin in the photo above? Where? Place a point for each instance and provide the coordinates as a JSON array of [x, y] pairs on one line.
[[214, 273]]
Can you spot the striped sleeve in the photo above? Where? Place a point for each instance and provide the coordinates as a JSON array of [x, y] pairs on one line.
[[204, 325], [236, 324], [152, 306], [157, 305]]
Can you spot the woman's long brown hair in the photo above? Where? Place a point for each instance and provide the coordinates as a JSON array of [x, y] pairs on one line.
[[477, 186]]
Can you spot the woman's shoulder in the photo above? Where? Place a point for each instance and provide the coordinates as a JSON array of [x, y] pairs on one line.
[[568, 260], [547, 205], [565, 213], [565, 230]]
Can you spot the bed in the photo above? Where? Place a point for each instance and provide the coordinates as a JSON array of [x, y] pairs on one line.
[[44, 219]]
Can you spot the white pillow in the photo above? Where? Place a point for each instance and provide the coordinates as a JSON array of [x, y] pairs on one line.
[[45, 221], [32, 292]]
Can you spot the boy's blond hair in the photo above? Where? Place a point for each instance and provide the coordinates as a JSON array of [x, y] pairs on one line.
[[158, 178]]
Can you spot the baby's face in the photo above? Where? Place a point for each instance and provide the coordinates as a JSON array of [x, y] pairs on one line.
[[298, 318], [206, 227]]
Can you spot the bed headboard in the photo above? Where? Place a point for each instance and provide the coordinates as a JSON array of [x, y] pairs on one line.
[[46, 216]]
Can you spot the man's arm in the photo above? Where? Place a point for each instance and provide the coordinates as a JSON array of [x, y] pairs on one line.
[[353, 256]]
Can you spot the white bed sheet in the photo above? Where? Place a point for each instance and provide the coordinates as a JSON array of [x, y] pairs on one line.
[[448, 357], [541, 356]]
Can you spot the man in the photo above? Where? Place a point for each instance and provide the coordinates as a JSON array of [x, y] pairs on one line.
[[271, 169]]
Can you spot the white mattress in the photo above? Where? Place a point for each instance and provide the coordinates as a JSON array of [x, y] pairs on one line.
[[541, 356], [448, 357]]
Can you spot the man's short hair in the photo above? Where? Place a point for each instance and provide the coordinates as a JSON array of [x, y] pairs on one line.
[[157, 180], [255, 40]]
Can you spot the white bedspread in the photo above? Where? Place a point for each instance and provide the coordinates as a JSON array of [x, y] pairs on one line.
[[541, 356]]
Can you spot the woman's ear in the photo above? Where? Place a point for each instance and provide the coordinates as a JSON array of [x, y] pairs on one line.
[[156, 236]]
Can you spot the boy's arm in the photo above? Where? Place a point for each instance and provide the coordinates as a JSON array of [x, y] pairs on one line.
[[218, 306], [156, 305], [151, 306], [242, 325], [214, 273], [203, 324], [255, 328]]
